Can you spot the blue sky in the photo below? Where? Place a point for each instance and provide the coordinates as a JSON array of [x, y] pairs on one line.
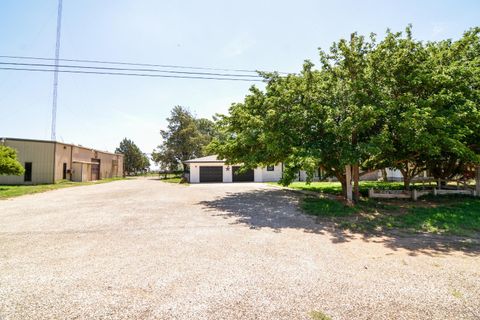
[[99, 110]]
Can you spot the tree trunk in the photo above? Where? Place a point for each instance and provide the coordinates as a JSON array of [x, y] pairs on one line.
[[341, 178], [356, 188], [384, 175], [406, 182], [348, 183], [407, 176]]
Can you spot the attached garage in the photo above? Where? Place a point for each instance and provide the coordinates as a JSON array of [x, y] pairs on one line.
[[213, 169], [211, 174], [246, 176]]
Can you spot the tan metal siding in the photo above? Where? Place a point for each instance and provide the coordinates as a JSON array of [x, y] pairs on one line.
[[110, 165], [40, 154], [62, 155]]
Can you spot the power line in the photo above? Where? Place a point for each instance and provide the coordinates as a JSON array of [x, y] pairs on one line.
[[137, 64], [131, 74], [128, 69]]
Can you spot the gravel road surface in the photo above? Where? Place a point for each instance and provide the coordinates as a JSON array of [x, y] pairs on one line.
[[145, 249]]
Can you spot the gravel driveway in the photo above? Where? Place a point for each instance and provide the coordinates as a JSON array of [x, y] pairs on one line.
[[145, 249]]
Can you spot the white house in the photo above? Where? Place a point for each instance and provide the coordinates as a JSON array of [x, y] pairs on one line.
[[212, 169]]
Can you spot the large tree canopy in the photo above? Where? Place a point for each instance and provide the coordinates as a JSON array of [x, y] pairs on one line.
[[9, 164], [134, 160], [397, 103], [185, 138]]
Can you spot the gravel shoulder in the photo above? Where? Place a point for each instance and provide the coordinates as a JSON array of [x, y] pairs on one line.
[[146, 249]]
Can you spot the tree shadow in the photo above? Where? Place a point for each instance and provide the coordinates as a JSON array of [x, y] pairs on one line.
[[279, 210]]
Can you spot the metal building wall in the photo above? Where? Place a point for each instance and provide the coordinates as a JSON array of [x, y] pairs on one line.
[[63, 154], [48, 157], [39, 153]]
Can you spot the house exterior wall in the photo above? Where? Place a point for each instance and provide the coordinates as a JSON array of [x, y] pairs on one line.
[[394, 174], [260, 174], [227, 174], [39, 153], [269, 176], [371, 176], [257, 175]]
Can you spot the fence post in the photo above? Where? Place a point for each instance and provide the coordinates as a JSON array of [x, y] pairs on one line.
[[370, 192], [434, 191], [414, 195]]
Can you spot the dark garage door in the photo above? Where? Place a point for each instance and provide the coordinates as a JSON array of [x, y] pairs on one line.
[[243, 176], [211, 174]]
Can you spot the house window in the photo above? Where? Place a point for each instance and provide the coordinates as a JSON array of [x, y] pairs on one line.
[[28, 172], [270, 168]]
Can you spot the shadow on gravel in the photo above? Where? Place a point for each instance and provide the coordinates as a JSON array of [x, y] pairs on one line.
[[279, 210]]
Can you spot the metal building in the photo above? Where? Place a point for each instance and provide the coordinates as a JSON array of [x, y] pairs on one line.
[[52, 161]]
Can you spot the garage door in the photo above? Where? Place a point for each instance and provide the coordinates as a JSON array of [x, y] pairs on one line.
[[243, 176], [211, 174]]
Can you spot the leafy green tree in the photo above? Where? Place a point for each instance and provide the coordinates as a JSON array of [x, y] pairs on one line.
[[404, 139], [318, 118], [134, 160], [399, 103], [9, 164], [354, 116], [185, 138], [455, 101], [145, 163], [430, 96]]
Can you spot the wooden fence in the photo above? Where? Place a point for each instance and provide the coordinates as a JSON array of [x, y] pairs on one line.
[[415, 194]]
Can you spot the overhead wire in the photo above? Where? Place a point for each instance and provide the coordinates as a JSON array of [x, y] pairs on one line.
[[127, 69], [136, 64], [132, 74]]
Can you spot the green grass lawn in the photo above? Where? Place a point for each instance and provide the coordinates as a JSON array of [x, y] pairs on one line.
[[172, 180], [454, 215], [9, 191]]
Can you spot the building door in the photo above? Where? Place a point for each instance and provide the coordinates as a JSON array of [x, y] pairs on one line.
[[246, 176], [28, 172], [64, 175], [95, 169], [211, 174]]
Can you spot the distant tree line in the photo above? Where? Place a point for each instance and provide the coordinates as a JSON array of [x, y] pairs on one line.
[[134, 161], [396, 103]]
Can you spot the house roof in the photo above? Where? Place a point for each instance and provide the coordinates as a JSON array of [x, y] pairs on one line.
[[213, 158]]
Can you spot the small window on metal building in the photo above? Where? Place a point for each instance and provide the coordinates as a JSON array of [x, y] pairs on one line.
[[28, 172], [270, 168]]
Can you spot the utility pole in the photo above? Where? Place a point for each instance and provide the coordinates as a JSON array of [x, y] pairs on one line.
[[55, 74]]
